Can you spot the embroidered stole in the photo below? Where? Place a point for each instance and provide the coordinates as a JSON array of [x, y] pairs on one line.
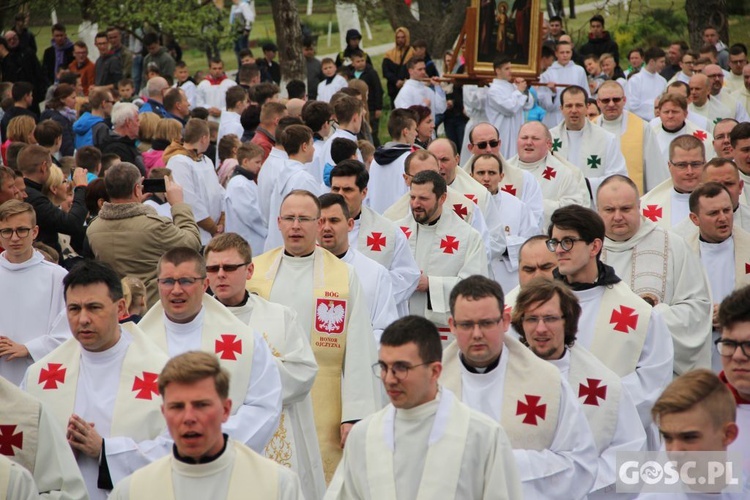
[[656, 205], [222, 334], [330, 296], [631, 145], [445, 451], [377, 237], [251, 473], [461, 205], [741, 254], [21, 433], [592, 151]]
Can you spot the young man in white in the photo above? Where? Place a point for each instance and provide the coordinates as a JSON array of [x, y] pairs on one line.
[[488, 370], [373, 235], [205, 462], [426, 443], [702, 103], [564, 70], [507, 99], [646, 85], [660, 268], [295, 444], [546, 316], [236, 102], [416, 91], [31, 296], [589, 147], [672, 122], [349, 113], [241, 201], [331, 83], [211, 91]]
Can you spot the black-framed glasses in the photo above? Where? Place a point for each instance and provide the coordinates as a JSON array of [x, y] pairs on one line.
[[493, 144], [548, 320], [483, 324], [399, 369], [184, 282], [727, 347], [21, 232], [228, 268], [566, 243], [607, 100]]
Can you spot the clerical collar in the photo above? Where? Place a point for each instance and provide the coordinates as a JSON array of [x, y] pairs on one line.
[[299, 256], [430, 223], [240, 304], [201, 460], [717, 243], [606, 276], [356, 217], [672, 131], [482, 370], [342, 255]]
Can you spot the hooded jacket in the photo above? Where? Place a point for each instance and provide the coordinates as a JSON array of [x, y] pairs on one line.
[[84, 130], [599, 46], [395, 59], [390, 152]]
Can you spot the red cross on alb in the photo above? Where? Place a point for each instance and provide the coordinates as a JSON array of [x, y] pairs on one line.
[[376, 241], [8, 440], [461, 210], [531, 409], [508, 188], [449, 244], [549, 173], [471, 197], [51, 375], [653, 212], [146, 386], [700, 135], [228, 346], [592, 392], [406, 231], [624, 320], [747, 268]]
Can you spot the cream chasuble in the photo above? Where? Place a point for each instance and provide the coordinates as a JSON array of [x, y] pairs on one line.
[[340, 335], [713, 110], [741, 241], [657, 264], [665, 138], [664, 206], [295, 443], [439, 449]]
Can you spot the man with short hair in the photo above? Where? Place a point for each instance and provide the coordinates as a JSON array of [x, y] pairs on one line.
[[155, 88], [108, 66], [485, 368], [722, 142], [674, 60], [212, 90], [740, 141], [82, 66], [59, 54], [711, 37], [586, 145], [22, 94], [330, 305], [265, 134], [646, 85], [236, 101], [130, 236], [34, 162], [333, 235], [643, 357], [565, 71], [177, 105], [599, 42], [445, 247], [507, 99], [673, 123], [373, 235], [185, 82], [186, 318], [122, 138], [730, 99], [158, 55], [197, 398], [704, 104], [114, 37], [195, 172], [8, 188], [421, 453], [660, 268], [349, 112], [100, 384], [737, 62], [28, 280], [228, 267], [726, 173], [92, 127], [416, 91], [546, 317]]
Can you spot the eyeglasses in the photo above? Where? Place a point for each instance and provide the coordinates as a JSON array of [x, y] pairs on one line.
[[549, 320], [399, 369], [184, 282], [683, 165], [607, 100], [21, 232], [566, 243], [483, 324], [493, 144], [727, 348], [289, 219], [228, 268]]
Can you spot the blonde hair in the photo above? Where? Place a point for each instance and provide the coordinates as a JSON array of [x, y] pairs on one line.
[[55, 180], [16, 207], [20, 128], [147, 123], [192, 367], [698, 387], [137, 291], [168, 129]]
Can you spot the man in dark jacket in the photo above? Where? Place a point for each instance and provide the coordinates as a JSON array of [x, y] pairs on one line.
[[21, 65], [344, 58], [365, 72], [59, 54], [34, 163], [22, 95], [121, 139], [600, 41]]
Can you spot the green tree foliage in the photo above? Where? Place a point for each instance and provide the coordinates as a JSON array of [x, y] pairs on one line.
[[651, 27]]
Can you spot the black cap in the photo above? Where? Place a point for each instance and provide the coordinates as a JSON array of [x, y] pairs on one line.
[[353, 34]]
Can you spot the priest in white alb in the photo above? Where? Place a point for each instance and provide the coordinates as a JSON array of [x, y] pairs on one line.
[[373, 235], [659, 267], [673, 123], [100, 385], [426, 443], [188, 319], [331, 307], [274, 162], [15, 481], [553, 445], [616, 325], [647, 84], [586, 145], [740, 141], [349, 113], [295, 443], [416, 91], [546, 315], [563, 71], [507, 99], [446, 249], [727, 96], [704, 104], [204, 462]]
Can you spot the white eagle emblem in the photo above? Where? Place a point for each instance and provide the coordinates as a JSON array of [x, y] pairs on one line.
[[330, 315]]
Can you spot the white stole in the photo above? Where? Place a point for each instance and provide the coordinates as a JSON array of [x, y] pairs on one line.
[[376, 238], [21, 435], [593, 148], [656, 205], [461, 205]]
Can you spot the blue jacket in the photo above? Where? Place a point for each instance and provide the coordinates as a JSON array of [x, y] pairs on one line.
[[83, 128]]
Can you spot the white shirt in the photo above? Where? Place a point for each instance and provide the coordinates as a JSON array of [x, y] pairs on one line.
[[243, 214], [641, 90]]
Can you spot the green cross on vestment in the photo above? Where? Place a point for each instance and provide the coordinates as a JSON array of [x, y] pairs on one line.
[[594, 161]]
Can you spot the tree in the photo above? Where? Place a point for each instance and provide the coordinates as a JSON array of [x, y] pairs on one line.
[[439, 23], [289, 40], [704, 13]]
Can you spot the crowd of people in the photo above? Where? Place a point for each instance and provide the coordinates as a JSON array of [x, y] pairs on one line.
[[208, 290]]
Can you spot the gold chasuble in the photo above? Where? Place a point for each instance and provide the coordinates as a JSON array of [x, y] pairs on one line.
[[328, 334], [631, 145]]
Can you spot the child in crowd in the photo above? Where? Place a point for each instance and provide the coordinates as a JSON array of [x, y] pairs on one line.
[[90, 158], [183, 80], [241, 202], [108, 160], [368, 152], [332, 82], [228, 146], [126, 88]]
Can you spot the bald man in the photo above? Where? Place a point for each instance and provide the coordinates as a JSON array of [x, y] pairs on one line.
[[534, 261], [155, 89], [703, 104]]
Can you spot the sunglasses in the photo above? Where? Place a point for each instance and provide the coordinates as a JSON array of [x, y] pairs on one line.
[[228, 268], [493, 144], [607, 100]]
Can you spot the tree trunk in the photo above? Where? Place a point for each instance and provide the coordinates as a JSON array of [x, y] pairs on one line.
[[289, 39], [439, 22], [704, 13]]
